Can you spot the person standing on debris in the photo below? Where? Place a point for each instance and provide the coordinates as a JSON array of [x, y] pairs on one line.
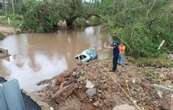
[[121, 59], [115, 55], [115, 48]]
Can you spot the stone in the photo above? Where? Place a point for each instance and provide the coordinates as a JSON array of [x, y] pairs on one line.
[[160, 93], [91, 92], [51, 108], [124, 107], [89, 84]]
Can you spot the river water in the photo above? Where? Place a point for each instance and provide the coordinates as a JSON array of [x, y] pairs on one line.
[[36, 57]]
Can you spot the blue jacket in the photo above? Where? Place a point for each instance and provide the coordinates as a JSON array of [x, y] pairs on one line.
[[116, 52]]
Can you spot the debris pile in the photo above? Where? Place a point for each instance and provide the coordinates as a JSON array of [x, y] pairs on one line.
[[92, 87]]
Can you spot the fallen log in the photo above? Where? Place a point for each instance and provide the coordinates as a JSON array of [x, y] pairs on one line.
[[64, 92], [162, 88]]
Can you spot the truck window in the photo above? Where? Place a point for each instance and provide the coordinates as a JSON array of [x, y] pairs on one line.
[[82, 57]]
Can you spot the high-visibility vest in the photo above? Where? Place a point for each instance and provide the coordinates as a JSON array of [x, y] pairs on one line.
[[122, 48]]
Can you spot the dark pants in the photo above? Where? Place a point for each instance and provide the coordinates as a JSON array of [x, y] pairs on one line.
[[114, 64]]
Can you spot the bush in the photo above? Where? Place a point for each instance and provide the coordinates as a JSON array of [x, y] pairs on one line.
[[142, 25], [15, 19]]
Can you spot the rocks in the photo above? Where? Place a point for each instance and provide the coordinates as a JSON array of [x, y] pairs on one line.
[[91, 92], [51, 108], [124, 107]]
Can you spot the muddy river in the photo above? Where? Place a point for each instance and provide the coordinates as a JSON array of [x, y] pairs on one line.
[[35, 57]]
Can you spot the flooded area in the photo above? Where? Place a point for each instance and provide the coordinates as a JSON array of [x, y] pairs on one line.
[[36, 57]]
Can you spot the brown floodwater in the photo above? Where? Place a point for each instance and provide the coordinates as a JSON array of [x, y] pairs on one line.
[[36, 57]]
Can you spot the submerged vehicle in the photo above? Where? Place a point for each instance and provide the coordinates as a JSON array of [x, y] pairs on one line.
[[87, 55]]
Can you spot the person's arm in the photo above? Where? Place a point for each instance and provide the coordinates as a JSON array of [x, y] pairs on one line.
[[107, 46]]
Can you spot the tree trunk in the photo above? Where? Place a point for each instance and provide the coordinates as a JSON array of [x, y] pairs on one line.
[[13, 8], [3, 5], [70, 23], [9, 7]]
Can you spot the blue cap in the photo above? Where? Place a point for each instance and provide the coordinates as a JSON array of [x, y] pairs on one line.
[[115, 43]]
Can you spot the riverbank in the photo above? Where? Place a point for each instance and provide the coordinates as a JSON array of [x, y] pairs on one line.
[[6, 30], [92, 86]]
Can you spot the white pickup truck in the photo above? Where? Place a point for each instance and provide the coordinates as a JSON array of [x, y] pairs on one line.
[[87, 55]]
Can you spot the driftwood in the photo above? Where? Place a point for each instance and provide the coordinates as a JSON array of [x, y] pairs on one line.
[[162, 88], [64, 92], [126, 94]]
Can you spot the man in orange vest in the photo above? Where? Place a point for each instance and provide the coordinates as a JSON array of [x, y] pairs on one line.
[[122, 48]]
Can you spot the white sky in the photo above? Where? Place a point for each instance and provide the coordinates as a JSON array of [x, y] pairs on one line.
[[90, 0]]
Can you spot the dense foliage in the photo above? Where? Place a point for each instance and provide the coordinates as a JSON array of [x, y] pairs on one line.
[[140, 24], [44, 16]]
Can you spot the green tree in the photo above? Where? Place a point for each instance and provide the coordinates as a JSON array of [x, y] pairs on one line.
[[141, 24], [69, 10], [44, 15]]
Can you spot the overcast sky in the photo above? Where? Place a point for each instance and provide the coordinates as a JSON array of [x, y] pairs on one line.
[[89, 0]]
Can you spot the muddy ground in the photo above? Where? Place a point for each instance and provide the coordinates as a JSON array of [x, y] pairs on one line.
[[92, 86], [7, 30]]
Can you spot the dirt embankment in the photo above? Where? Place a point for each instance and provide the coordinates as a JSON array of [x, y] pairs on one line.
[[7, 30], [92, 87]]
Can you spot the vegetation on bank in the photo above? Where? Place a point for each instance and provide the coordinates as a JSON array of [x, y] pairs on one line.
[[9, 19], [141, 24], [152, 62], [44, 16]]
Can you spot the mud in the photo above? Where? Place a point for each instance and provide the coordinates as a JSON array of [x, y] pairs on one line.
[[131, 85]]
